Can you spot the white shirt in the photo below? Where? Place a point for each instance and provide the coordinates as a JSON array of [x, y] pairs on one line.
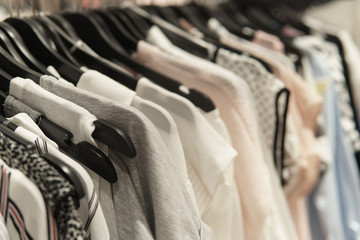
[[4, 233], [213, 117], [209, 159], [23, 207]]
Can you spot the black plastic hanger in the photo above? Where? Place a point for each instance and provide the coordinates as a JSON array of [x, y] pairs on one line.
[[173, 15], [45, 124], [140, 23], [5, 79], [113, 137], [194, 17], [202, 10], [106, 30], [5, 42], [65, 29], [127, 23], [4, 76], [235, 22], [165, 13], [269, 24], [84, 152], [64, 25], [289, 16], [231, 9], [65, 170], [87, 153], [52, 34], [39, 47], [263, 20], [15, 69], [206, 14], [179, 37], [230, 15], [118, 30], [99, 39], [93, 61], [21, 48], [100, 44]]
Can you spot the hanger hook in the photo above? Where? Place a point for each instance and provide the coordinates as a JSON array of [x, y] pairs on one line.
[[17, 8], [10, 8], [76, 5], [81, 7], [22, 6], [32, 7]]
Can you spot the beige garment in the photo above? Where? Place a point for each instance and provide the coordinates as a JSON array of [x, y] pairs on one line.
[[232, 97], [304, 108], [269, 41]]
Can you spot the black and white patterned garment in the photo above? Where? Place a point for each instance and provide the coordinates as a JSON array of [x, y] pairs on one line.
[[270, 96], [93, 203], [56, 190]]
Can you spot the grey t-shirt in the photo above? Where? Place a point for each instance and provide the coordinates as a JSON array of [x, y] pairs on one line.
[[165, 202], [13, 106]]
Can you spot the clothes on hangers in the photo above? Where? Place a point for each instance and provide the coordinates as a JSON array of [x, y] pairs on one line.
[[303, 118], [344, 164], [72, 117], [90, 211], [150, 184], [331, 53], [228, 100], [215, 160], [273, 159], [55, 189], [13, 112], [98, 83]]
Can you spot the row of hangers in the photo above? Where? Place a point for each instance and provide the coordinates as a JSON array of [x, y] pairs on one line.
[[29, 44], [103, 40]]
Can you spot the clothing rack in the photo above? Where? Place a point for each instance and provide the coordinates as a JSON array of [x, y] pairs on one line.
[[177, 120]]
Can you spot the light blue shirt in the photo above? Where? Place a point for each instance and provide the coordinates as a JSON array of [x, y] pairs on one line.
[[334, 206]]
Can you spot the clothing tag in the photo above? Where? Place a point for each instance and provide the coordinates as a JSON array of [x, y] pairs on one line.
[[322, 85]]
